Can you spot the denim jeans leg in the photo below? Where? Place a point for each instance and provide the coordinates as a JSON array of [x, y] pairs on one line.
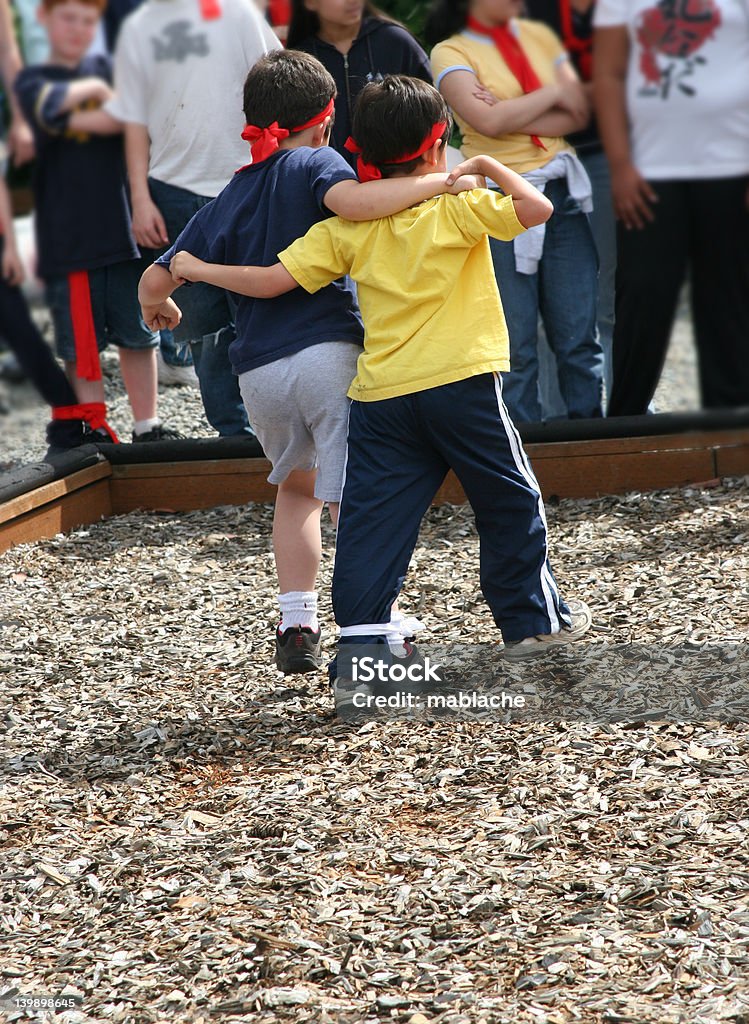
[[519, 294], [172, 353], [222, 400], [568, 300], [552, 404], [603, 226]]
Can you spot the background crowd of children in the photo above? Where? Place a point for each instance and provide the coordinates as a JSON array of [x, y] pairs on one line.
[[651, 191]]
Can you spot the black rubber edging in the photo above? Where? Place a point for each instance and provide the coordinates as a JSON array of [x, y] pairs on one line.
[[189, 449], [634, 426], [23, 479]]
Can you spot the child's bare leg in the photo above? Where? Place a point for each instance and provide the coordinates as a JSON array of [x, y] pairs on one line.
[[138, 368], [297, 545], [85, 390]]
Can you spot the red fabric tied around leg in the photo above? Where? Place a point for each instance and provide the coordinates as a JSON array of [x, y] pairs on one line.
[[93, 413], [87, 365]]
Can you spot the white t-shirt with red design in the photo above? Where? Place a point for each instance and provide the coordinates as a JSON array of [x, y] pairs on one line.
[[687, 85]]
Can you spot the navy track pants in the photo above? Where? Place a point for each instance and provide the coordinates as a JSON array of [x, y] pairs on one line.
[[399, 452]]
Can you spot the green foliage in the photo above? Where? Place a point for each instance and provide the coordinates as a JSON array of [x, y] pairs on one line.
[[412, 13]]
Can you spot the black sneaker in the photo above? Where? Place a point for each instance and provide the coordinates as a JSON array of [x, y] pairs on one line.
[[98, 436], [298, 649], [160, 433]]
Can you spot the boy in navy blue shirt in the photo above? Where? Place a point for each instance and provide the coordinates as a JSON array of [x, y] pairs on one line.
[[295, 356], [87, 253]]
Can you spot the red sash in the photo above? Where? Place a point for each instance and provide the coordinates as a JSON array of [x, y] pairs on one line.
[[514, 57]]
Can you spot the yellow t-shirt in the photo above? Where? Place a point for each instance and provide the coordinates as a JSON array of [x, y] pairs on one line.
[[426, 286], [471, 51]]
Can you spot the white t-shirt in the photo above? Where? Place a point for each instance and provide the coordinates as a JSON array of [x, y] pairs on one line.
[[687, 85], [182, 77]]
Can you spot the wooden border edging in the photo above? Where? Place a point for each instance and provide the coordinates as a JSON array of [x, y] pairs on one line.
[[565, 469], [81, 498]]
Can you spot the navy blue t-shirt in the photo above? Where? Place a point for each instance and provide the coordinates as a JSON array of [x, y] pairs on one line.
[[82, 214], [263, 209]]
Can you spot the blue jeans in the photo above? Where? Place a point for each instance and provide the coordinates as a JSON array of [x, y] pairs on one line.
[[563, 291], [603, 226], [172, 353], [207, 322]]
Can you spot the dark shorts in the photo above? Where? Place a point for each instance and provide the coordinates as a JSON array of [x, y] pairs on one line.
[[115, 307]]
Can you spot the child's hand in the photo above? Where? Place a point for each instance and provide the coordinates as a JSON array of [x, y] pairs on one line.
[[186, 267], [12, 268], [480, 92], [163, 316], [97, 89], [466, 182], [467, 175]]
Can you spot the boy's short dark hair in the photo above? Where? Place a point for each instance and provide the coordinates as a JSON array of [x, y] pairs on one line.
[[286, 86], [393, 117]]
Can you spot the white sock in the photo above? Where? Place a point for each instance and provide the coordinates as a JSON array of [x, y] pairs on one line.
[[143, 426], [298, 608]]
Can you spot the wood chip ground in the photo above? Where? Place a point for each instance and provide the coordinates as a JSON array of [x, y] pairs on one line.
[[185, 835]]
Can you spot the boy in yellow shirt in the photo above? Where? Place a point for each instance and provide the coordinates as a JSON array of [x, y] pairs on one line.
[[427, 396]]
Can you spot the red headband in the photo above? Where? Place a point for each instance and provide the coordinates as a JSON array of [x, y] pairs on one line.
[[264, 141], [370, 172]]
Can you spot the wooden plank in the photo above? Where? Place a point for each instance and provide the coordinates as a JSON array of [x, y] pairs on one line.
[[596, 475], [40, 496], [79, 508], [658, 442], [575, 475], [592, 476], [733, 461], [184, 493], [202, 468]]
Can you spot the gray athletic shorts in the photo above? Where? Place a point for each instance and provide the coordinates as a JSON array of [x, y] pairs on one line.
[[298, 408]]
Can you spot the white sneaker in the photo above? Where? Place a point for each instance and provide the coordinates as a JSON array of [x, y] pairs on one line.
[[535, 646], [175, 376]]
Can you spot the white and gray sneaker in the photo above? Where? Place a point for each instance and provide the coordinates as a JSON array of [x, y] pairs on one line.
[[175, 376], [536, 646]]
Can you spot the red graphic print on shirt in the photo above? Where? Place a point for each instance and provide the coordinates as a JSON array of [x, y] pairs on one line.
[[670, 36]]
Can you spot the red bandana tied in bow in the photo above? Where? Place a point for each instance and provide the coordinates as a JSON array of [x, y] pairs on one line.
[[264, 141], [370, 172], [514, 57], [93, 413]]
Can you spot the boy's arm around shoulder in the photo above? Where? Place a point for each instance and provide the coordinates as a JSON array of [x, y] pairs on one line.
[[255, 282], [371, 200], [321, 256], [531, 206]]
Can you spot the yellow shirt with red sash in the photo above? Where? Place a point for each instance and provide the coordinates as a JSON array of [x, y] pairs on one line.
[[471, 51]]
